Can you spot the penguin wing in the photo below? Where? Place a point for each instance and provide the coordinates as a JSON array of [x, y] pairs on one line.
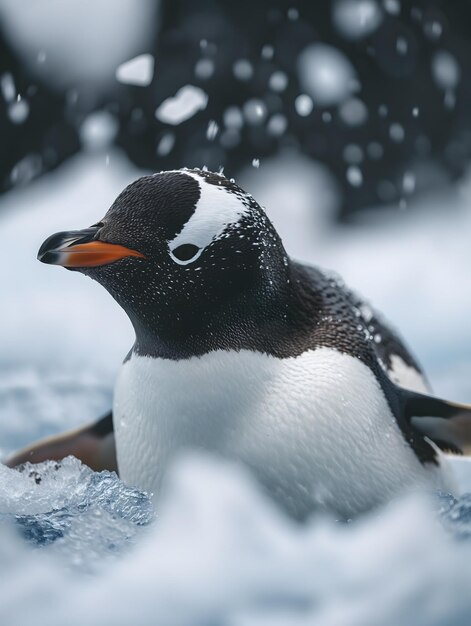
[[92, 444], [447, 424]]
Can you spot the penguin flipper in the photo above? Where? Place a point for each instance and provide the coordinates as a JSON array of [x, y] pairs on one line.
[[447, 424], [93, 444]]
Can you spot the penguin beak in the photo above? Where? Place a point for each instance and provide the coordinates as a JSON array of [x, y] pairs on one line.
[[80, 248]]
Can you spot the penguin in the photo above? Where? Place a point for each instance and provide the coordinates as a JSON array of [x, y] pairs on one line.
[[249, 355]]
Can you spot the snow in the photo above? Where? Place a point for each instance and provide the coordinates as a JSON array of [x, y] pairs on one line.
[[353, 112], [392, 6], [138, 71], [355, 19], [83, 548], [354, 176], [326, 74], [396, 132], [26, 169], [7, 85], [353, 153], [233, 117], [243, 69], [186, 103], [218, 553], [78, 42], [18, 111], [408, 182], [98, 130], [255, 111], [303, 105], [166, 144], [267, 52], [277, 124], [204, 69], [401, 45], [445, 70], [278, 81], [212, 130]]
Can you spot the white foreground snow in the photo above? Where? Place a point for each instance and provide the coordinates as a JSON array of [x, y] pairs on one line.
[[218, 553]]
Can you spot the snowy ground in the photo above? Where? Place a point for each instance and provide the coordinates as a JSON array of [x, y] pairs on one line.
[[217, 552]]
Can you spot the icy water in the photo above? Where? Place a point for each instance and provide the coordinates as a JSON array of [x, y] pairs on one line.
[[80, 547]]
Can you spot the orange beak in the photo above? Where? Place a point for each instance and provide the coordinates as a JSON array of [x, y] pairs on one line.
[[76, 249]]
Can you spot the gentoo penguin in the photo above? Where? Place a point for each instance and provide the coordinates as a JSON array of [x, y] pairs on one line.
[[247, 354]]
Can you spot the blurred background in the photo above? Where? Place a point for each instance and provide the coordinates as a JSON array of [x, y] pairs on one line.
[[347, 119]]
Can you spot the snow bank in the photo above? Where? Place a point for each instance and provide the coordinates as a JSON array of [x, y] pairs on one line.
[[219, 553]]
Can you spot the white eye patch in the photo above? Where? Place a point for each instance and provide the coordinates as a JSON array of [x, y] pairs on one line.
[[216, 209], [185, 253]]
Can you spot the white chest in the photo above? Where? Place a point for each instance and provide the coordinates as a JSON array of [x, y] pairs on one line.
[[316, 429]]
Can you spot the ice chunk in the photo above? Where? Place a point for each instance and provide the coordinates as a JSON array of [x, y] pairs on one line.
[[137, 71], [186, 103], [91, 515]]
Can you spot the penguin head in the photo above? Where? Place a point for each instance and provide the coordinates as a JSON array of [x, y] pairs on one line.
[[181, 251]]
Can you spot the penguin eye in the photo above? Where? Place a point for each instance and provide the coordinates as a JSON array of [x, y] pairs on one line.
[[186, 253]]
